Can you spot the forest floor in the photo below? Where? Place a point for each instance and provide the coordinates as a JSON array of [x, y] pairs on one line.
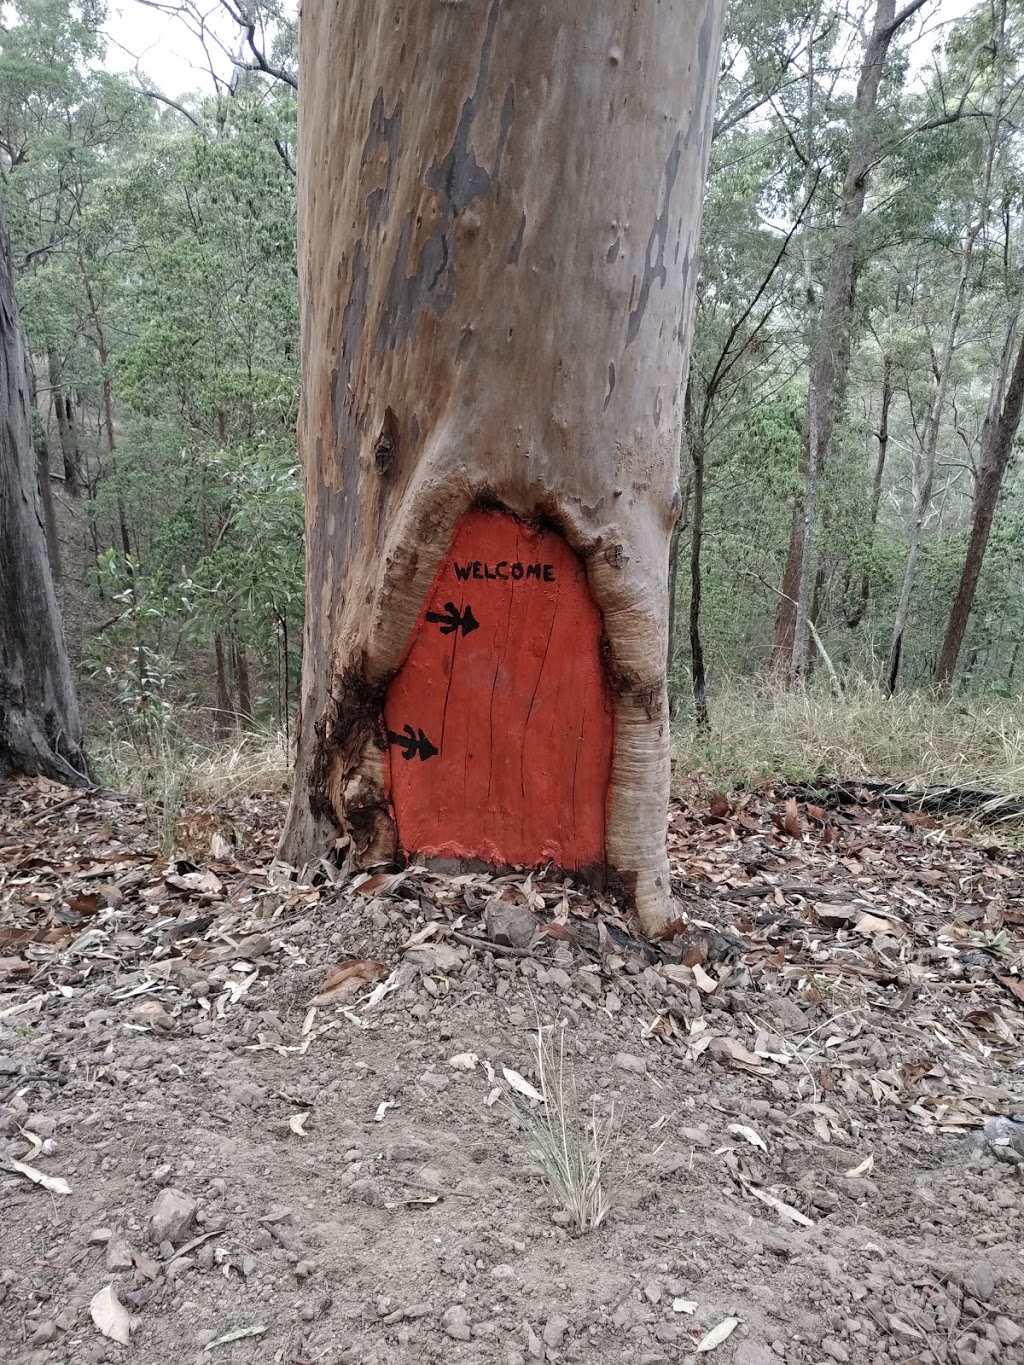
[[253, 1120]]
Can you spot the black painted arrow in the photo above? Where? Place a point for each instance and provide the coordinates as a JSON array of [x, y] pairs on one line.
[[412, 744], [452, 619]]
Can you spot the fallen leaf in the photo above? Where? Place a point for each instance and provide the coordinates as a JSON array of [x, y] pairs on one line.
[[791, 821], [220, 848], [382, 1109], [868, 1164], [718, 1334], [84, 905], [236, 1334], [495, 1094], [296, 1122], [521, 1085], [347, 980], [787, 1210], [1012, 983], [705, 983], [874, 924], [110, 1315], [748, 1135], [719, 805], [729, 1050], [54, 1183], [10, 966], [374, 883], [684, 1305]]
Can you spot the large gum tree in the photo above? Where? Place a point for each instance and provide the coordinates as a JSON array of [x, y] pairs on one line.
[[499, 212]]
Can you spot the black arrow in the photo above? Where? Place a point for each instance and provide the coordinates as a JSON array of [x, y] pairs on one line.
[[412, 744], [452, 619]]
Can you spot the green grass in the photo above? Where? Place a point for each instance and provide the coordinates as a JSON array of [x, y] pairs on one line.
[[761, 731]]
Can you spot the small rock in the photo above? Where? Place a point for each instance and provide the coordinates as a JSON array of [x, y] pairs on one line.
[[43, 1125], [561, 1218], [626, 1061], [751, 1352], [204, 1337], [1009, 1332], [555, 1330], [980, 1281], [1003, 1137], [835, 1350], [455, 1321], [119, 1254], [652, 1291], [303, 1270], [534, 1345], [99, 1236], [163, 1175], [513, 926], [43, 1334], [172, 1215], [278, 1213]]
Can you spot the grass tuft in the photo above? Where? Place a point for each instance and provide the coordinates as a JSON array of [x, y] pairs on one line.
[[572, 1153]]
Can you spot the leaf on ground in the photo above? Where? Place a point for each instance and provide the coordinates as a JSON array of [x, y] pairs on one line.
[[10, 966], [780, 1205], [296, 1124], [748, 1135], [684, 1305], [237, 1334], [705, 983], [382, 1109], [717, 1335], [791, 820], [868, 1164], [521, 1085], [110, 1315], [730, 1050], [347, 980], [54, 1183]]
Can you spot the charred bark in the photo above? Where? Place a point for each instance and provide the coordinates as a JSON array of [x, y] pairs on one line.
[[499, 211], [39, 726]]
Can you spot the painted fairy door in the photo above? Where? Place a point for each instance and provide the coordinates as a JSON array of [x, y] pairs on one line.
[[499, 719]]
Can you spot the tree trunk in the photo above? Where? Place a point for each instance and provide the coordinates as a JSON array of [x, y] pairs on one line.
[[60, 411], [241, 661], [498, 232], [997, 444], [223, 714], [698, 676], [39, 726], [42, 449], [830, 350], [882, 437]]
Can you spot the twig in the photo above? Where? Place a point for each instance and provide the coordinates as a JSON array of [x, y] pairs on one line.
[[487, 946]]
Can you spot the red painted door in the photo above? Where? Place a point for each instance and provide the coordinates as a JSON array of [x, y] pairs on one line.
[[499, 719]]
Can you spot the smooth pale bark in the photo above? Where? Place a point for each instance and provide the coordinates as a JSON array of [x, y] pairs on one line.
[[39, 726], [997, 438], [499, 210], [830, 352], [881, 452]]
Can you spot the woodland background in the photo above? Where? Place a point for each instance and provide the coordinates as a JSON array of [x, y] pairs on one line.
[[153, 232]]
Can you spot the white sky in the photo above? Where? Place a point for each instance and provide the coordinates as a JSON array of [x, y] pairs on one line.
[[162, 48]]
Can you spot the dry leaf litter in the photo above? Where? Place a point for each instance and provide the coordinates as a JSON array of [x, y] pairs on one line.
[[252, 1119]]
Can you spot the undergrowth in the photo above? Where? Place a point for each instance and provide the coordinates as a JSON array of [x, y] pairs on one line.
[[760, 731]]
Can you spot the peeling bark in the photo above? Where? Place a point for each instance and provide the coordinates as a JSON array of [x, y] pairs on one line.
[[499, 211]]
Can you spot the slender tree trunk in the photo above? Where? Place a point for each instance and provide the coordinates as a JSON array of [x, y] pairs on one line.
[[882, 449], [830, 349], [698, 676], [499, 211], [42, 449], [104, 356], [40, 730], [223, 714], [58, 397], [241, 662], [997, 445]]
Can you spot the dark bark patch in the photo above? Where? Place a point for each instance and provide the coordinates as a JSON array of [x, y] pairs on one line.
[[654, 261], [611, 385], [459, 181], [613, 252], [384, 131], [515, 250], [346, 423], [385, 447], [657, 409]]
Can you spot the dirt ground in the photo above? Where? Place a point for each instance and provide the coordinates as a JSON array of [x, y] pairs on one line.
[[273, 1104]]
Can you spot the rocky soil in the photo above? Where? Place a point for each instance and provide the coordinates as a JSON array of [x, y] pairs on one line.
[[245, 1118]]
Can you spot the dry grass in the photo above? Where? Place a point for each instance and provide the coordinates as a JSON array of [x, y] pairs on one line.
[[760, 731], [572, 1153]]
